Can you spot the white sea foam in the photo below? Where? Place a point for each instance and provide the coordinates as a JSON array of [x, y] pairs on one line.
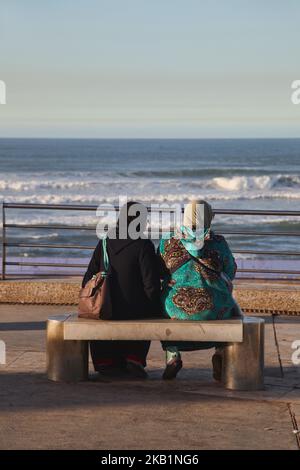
[[238, 183], [154, 197], [91, 220], [89, 188], [47, 236], [23, 182]]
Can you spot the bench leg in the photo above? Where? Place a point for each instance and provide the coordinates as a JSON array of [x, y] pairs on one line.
[[243, 363], [67, 361]]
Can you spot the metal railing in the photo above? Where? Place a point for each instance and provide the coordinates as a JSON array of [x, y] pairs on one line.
[[6, 243]]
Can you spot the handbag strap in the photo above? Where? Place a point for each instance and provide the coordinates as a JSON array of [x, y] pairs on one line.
[[105, 255]]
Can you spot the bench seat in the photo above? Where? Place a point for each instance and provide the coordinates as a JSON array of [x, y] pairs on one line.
[[243, 353], [152, 329]]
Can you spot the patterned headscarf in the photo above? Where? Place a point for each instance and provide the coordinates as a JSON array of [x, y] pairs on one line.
[[197, 218]]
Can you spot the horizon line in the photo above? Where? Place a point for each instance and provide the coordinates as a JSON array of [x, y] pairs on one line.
[[146, 138]]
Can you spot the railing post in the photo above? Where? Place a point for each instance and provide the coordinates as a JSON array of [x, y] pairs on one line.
[[3, 241]]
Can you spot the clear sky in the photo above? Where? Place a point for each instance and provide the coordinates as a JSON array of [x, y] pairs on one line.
[[149, 68]]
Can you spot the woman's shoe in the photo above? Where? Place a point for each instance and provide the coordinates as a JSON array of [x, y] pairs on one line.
[[217, 366], [136, 370], [172, 369], [104, 374]]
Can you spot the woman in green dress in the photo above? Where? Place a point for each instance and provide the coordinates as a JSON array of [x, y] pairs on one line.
[[197, 268]]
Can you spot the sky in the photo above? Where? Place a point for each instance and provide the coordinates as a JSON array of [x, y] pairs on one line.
[[146, 69]]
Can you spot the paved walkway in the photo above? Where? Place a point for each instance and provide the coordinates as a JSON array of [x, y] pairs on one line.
[[191, 413]]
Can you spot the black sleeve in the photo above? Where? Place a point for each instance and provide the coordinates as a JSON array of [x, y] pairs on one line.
[[163, 270], [94, 264], [150, 273]]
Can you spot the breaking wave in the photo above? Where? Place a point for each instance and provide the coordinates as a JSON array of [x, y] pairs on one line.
[[85, 181]]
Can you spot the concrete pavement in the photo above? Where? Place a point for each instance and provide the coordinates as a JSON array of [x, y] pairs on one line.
[[192, 412]]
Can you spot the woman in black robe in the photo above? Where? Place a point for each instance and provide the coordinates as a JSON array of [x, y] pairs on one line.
[[135, 290]]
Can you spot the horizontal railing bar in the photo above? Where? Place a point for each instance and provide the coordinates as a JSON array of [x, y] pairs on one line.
[[75, 274], [269, 271], [88, 247], [13, 205], [255, 233], [254, 252], [81, 265], [46, 245], [44, 275], [57, 265], [256, 212], [79, 227], [73, 207], [53, 227], [251, 278]]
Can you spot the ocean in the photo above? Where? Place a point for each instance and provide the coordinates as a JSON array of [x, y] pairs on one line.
[[229, 173]]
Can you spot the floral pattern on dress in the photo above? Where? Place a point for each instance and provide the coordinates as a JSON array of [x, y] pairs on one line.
[[175, 254], [210, 265], [193, 300]]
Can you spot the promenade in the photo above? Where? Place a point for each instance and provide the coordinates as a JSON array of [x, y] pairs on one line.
[[192, 412]]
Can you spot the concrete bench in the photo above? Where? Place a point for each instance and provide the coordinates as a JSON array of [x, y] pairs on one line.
[[68, 337]]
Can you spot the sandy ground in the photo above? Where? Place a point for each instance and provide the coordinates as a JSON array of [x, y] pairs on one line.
[[193, 412]]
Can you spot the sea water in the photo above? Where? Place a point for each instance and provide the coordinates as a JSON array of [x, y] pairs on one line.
[[229, 173]]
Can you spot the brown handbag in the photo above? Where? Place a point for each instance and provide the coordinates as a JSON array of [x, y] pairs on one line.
[[95, 298]]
